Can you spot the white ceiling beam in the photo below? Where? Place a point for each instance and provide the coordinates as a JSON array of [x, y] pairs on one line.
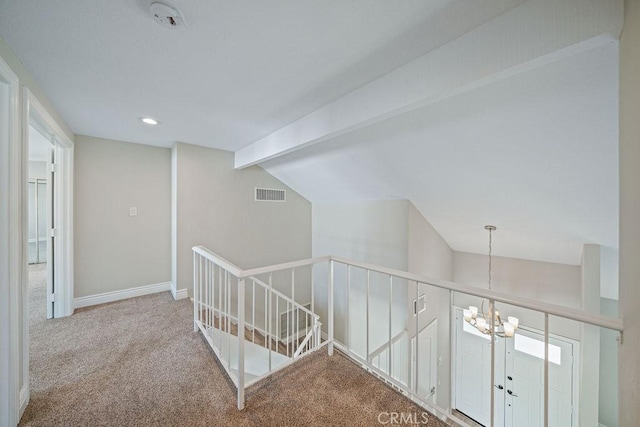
[[531, 35]]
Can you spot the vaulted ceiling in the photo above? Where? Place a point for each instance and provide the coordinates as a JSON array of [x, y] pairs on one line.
[[498, 112]]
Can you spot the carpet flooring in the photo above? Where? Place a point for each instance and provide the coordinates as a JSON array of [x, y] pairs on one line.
[[138, 362]]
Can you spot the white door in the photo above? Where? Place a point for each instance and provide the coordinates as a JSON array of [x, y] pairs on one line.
[[525, 381], [426, 361], [473, 374]]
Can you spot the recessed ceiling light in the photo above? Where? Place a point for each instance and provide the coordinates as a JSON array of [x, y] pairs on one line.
[[149, 121]]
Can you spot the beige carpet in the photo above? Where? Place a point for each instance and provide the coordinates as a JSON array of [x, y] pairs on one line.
[[138, 362]]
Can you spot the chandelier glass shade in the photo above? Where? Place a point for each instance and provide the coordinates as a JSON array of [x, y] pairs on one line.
[[481, 320]]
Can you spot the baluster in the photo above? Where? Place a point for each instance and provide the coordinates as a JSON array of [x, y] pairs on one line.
[[348, 308], [241, 307], [213, 296], [390, 303], [330, 310], [416, 362], [270, 331], [493, 359], [546, 370], [266, 333], [207, 266], [253, 311], [367, 313], [220, 303], [228, 317]]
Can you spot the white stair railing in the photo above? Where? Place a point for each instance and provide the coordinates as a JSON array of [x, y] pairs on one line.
[[253, 329], [373, 318]]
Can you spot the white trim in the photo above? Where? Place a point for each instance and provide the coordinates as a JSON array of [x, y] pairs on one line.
[[12, 254], [24, 398], [120, 295], [179, 293]]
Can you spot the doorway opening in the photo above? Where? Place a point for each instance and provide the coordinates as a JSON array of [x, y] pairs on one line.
[[40, 202]]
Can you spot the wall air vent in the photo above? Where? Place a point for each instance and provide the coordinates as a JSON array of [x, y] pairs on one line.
[[270, 195]]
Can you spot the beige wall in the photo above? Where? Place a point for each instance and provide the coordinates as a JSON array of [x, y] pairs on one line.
[[114, 251], [216, 208], [543, 281], [629, 373], [549, 282]]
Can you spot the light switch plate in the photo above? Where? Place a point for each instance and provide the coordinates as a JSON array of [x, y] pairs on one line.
[[133, 211]]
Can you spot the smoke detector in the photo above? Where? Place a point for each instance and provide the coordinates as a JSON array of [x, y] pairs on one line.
[[167, 16]]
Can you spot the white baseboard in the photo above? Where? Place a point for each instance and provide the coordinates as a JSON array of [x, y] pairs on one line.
[[179, 293], [120, 295], [24, 399]]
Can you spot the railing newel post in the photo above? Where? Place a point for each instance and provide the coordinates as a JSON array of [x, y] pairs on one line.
[[330, 309]]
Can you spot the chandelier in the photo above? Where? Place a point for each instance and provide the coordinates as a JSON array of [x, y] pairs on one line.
[[483, 322]]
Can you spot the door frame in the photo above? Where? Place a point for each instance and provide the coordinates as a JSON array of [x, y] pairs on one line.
[[12, 267], [34, 112]]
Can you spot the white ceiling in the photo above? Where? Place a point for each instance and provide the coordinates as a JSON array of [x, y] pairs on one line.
[[534, 154], [239, 70]]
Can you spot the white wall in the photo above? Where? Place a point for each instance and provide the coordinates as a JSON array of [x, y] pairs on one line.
[[215, 207], [431, 256], [590, 339], [368, 231], [629, 373], [608, 382], [609, 278], [114, 251]]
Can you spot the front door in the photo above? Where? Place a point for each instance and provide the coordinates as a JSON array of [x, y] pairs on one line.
[[519, 378], [473, 374], [524, 386]]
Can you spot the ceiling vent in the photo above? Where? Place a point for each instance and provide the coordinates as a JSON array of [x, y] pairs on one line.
[[167, 16], [270, 195]]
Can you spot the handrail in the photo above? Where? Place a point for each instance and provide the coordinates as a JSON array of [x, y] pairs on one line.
[[552, 309], [283, 266], [227, 265]]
